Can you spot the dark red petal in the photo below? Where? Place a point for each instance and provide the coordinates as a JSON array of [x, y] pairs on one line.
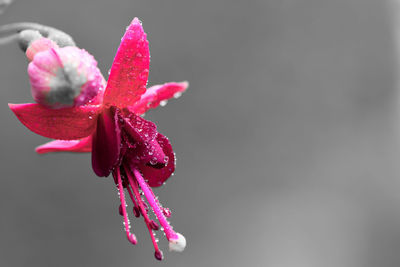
[[130, 69], [148, 153], [63, 124], [83, 145], [106, 143], [141, 130], [157, 93], [157, 176]]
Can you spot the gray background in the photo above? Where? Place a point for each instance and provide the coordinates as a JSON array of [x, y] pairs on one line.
[[287, 140]]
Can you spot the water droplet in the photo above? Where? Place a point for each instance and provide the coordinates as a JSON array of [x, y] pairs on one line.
[[163, 103], [177, 94]]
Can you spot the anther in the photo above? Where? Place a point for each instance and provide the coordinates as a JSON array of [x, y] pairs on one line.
[[132, 238], [136, 212], [154, 225], [158, 254]]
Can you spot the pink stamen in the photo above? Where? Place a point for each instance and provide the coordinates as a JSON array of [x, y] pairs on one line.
[[131, 237], [158, 253], [136, 210], [169, 232]]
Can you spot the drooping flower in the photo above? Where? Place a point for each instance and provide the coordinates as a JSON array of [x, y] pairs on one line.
[[122, 142]]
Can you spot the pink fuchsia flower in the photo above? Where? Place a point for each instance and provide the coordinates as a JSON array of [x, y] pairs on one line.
[[122, 142]]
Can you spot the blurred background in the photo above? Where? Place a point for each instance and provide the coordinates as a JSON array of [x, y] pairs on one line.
[[287, 139]]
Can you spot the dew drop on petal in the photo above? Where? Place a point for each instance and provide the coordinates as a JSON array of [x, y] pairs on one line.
[[177, 95]]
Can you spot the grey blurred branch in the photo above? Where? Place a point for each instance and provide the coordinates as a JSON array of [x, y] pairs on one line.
[[12, 31], [4, 4]]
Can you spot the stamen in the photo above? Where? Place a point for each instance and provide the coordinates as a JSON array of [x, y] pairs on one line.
[[176, 240], [156, 208], [158, 253], [131, 237], [136, 210]]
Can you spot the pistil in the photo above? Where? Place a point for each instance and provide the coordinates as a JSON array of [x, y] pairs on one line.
[[169, 232]]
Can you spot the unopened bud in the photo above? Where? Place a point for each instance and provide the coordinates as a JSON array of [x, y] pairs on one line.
[[39, 45], [64, 77]]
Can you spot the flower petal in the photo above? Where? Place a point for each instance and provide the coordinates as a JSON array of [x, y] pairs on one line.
[[130, 69], [148, 153], [106, 143], [63, 124], [157, 93], [141, 130], [82, 145], [157, 176]]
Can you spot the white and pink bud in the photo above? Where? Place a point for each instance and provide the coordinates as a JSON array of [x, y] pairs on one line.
[[63, 77], [39, 45]]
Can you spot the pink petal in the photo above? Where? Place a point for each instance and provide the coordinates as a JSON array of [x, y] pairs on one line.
[[82, 145], [130, 69], [106, 143], [157, 176], [155, 94], [63, 124]]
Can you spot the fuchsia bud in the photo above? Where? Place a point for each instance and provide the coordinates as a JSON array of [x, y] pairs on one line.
[[39, 45], [63, 77]]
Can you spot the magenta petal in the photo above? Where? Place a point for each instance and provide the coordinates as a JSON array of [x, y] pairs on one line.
[[130, 69], [63, 124], [106, 143], [139, 129], [157, 176], [157, 93], [148, 153], [83, 145]]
